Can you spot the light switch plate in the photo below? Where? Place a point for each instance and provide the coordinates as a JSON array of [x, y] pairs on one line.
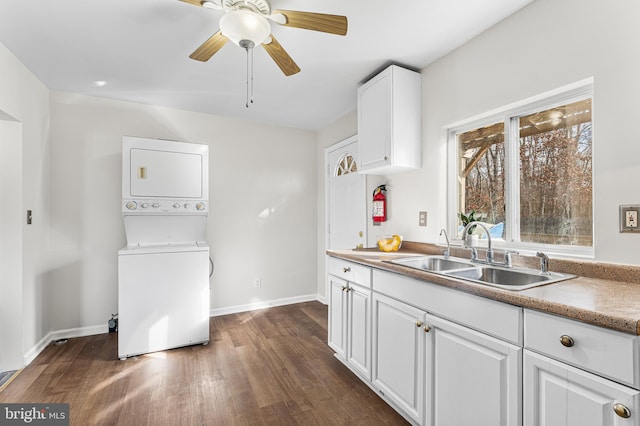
[[629, 216]]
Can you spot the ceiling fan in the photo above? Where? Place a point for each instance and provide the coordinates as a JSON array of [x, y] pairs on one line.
[[246, 24]]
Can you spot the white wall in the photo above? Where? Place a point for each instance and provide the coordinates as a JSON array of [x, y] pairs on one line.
[[546, 45], [24, 109], [262, 221]]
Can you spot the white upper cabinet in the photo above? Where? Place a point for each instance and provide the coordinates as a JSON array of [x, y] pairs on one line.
[[389, 122]]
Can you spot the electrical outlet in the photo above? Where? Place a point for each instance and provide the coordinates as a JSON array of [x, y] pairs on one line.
[[257, 283], [629, 216], [422, 218]]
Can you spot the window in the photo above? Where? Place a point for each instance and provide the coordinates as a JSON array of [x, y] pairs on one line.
[[527, 173], [346, 164]]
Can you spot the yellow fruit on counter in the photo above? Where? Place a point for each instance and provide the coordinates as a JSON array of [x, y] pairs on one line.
[[389, 243]]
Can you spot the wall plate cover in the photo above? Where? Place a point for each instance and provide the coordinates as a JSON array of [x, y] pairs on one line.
[[629, 217]]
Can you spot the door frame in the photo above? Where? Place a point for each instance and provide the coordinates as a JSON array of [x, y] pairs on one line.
[[11, 244], [327, 184]]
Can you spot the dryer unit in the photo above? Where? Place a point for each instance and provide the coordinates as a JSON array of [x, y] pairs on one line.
[[163, 272], [154, 168]]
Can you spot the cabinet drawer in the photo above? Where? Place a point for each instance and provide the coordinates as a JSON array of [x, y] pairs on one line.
[[605, 352], [350, 271]]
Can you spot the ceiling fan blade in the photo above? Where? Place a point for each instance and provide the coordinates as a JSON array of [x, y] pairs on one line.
[[193, 2], [334, 24], [209, 47], [281, 57]]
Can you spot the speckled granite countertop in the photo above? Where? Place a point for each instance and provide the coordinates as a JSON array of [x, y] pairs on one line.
[[606, 295]]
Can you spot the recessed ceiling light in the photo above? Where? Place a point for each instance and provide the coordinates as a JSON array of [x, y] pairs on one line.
[[100, 83]]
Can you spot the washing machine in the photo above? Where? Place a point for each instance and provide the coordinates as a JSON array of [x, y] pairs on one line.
[[163, 272]]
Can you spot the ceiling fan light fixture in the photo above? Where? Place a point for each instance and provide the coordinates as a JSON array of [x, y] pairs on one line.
[[239, 25]]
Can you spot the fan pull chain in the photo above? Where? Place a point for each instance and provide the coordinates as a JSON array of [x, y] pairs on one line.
[[249, 77]]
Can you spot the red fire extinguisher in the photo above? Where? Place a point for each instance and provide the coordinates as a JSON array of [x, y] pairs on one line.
[[379, 204]]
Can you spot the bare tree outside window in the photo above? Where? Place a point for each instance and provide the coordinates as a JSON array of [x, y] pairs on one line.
[[554, 173], [556, 176]]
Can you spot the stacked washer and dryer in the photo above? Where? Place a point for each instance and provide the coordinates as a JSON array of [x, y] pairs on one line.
[[163, 272]]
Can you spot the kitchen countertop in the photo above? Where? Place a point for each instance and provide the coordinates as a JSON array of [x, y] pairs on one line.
[[590, 298]]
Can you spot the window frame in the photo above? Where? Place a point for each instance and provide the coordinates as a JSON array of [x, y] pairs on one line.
[[509, 115]]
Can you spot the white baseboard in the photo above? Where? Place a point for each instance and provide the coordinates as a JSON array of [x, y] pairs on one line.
[[101, 329], [62, 334], [261, 305]]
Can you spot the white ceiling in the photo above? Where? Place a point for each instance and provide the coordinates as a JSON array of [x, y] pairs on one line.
[[141, 49]]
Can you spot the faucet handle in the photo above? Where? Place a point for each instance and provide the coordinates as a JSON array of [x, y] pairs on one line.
[[507, 257], [474, 253], [544, 263]]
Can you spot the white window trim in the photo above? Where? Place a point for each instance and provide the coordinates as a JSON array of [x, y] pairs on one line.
[[563, 95]]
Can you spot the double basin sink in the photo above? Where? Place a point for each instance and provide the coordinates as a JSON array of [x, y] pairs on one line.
[[492, 275]]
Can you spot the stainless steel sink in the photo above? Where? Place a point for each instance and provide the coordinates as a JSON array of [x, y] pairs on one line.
[[495, 276], [431, 263], [509, 279]]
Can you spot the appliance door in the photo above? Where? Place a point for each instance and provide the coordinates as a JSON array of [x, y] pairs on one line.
[[156, 173], [163, 300]]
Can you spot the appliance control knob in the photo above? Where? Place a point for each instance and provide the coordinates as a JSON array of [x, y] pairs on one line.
[[186, 206], [132, 205], [144, 205], [155, 205], [200, 206], [176, 205]]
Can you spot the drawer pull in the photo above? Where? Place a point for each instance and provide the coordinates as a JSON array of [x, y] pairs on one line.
[[427, 329], [566, 340], [622, 411], [346, 269], [344, 288], [418, 323]]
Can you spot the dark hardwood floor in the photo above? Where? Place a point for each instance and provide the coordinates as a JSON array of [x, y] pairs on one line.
[[271, 366]]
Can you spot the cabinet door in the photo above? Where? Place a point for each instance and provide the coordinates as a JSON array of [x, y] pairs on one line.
[[337, 314], [398, 354], [374, 121], [359, 330], [472, 378], [556, 394]]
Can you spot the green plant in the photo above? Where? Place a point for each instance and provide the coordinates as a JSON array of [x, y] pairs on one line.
[[468, 218]]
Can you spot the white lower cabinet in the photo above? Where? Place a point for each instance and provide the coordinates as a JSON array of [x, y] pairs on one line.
[[471, 378], [576, 374], [359, 330], [337, 315], [398, 355], [442, 357], [350, 324], [556, 394]]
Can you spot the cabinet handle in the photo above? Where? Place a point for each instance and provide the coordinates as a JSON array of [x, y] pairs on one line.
[[346, 269], [427, 329], [344, 288], [566, 340], [622, 411], [418, 323]]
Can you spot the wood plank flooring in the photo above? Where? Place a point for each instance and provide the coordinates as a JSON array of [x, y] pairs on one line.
[[267, 367]]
